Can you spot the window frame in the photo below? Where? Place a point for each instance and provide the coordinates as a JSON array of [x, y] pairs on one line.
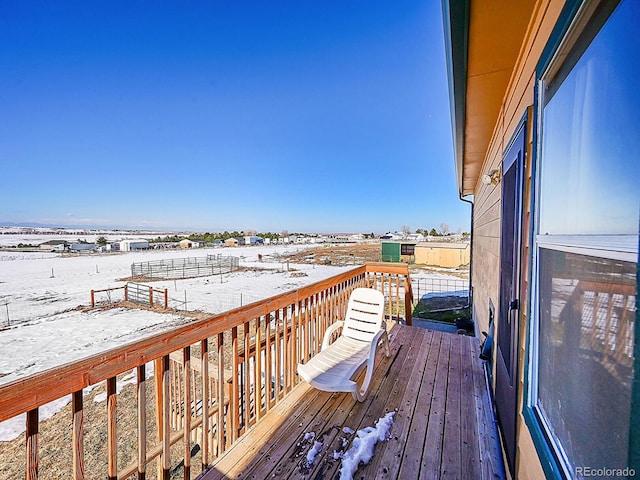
[[573, 20]]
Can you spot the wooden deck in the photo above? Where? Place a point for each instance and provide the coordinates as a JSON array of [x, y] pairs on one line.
[[443, 425]]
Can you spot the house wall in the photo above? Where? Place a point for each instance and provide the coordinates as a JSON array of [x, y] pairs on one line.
[[516, 103]]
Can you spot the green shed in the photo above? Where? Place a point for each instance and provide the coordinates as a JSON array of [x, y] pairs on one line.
[[398, 252]]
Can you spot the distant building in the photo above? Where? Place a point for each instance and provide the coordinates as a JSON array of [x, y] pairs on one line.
[[253, 240], [415, 237], [231, 242], [54, 246], [191, 243], [131, 245], [82, 247], [392, 236]]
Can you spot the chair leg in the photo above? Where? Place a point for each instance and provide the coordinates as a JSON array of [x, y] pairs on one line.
[[360, 394]]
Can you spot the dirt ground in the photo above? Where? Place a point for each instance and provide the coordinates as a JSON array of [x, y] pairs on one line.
[[354, 254], [357, 254]]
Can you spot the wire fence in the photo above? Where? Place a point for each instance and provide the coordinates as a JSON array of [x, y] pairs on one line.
[[439, 286], [186, 267], [214, 304]]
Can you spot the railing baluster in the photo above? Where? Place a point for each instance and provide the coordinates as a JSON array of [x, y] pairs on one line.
[[166, 420], [142, 422], [233, 401], [258, 368], [186, 363], [32, 444], [112, 438], [157, 383], [278, 375], [78, 435], [204, 358], [220, 399], [247, 377], [306, 330], [267, 361], [295, 319]]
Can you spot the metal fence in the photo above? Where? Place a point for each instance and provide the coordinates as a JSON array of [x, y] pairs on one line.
[[186, 267], [453, 286], [146, 295], [214, 304]]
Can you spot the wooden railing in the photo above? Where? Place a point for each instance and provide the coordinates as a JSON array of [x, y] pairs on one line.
[[212, 380]]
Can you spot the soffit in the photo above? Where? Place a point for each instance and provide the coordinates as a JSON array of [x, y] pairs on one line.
[[496, 32]]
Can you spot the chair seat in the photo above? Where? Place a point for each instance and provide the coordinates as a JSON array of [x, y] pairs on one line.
[[333, 368]]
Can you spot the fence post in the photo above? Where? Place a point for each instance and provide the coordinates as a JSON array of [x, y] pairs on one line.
[[150, 297], [166, 299], [126, 293], [93, 299]]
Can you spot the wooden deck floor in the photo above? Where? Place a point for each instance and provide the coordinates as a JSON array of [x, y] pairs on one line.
[[443, 425]]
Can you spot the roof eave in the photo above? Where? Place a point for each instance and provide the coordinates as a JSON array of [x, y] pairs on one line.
[[455, 15]]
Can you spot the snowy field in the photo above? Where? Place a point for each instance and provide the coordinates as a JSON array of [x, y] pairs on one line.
[[42, 326]]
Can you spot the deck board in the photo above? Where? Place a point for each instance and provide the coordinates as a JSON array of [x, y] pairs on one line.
[[443, 425]]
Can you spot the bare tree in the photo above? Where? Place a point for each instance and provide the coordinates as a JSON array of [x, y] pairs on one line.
[[406, 230], [284, 233], [250, 232], [444, 229]]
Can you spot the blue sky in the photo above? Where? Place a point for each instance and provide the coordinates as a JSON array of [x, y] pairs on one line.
[[306, 116]]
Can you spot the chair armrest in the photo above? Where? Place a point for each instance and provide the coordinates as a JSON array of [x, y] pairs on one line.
[[326, 341]]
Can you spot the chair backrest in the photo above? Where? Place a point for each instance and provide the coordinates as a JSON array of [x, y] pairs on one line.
[[364, 314]]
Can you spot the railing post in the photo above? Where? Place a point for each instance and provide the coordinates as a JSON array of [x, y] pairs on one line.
[[166, 298], [112, 439], [151, 297], [408, 301], [126, 293], [78, 435], [32, 444], [93, 299]]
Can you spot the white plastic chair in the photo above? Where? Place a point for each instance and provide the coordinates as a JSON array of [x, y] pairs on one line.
[[337, 364]]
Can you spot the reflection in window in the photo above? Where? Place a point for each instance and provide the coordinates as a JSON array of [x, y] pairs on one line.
[[590, 142], [587, 316], [587, 241]]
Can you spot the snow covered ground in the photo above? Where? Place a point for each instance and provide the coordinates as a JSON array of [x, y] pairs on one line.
[[40, 293], [41, 326]]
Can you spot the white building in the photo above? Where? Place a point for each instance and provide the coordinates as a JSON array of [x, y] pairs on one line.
[[136, 244]]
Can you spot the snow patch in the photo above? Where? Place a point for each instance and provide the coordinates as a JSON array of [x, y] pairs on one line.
[[361, 450], [311, 454]]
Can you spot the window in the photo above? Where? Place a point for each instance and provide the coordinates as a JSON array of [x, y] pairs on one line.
[[407, 249], [586, 243]]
